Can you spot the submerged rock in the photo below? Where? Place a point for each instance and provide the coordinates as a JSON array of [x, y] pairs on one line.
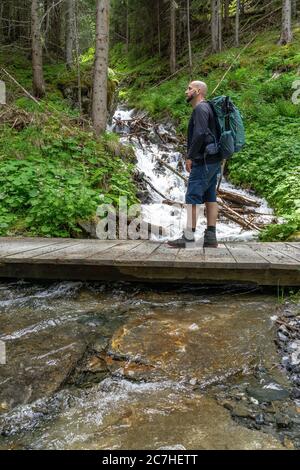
[[263, 394], [241, 411], [35, 369], [220, 343]]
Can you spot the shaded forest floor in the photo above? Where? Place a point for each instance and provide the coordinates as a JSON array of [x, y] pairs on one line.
[[260, 82]]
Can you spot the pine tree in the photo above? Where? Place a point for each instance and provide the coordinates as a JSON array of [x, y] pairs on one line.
[[99, 104], [37, 51], [286, 24]]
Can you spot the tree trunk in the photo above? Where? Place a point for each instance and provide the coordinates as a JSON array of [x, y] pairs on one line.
[[76, 40], [286, 28], [226, 15], [53, 40], [37, 52], [220, 26], [158, 28], [70, 16], [127, 27], [216, 25], [294, 8], [189, 36], [2, 27], [99, 105], [173, 36], [237, 23]]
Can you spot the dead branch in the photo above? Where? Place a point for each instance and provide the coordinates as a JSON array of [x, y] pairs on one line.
[[172, 169], [235, 217], [22, 88]]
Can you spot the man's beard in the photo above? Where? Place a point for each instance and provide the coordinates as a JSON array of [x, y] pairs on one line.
[[190, 98]]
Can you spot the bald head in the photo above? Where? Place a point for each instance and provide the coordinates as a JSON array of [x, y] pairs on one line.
[[196, 92], [201, 87]]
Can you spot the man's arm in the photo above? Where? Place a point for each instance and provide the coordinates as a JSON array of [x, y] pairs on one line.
[[201, 120], [188, 165]]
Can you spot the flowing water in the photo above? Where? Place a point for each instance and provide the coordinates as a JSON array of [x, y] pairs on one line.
[[119, 366], [115, 366]]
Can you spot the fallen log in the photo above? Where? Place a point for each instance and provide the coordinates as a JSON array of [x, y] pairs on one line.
[[238, 198], [249, 211], [169, 202], [235, 217]]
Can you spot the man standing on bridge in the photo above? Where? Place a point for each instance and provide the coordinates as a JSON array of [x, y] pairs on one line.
[[203, 169]]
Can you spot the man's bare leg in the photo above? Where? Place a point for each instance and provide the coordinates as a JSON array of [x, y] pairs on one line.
[[211, 213], [193, 211]]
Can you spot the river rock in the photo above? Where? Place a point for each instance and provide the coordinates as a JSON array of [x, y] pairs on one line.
[[259, 419], [221, 343], [100, 344], [282, 421], [263, 394], [38, 367], [241, 411]]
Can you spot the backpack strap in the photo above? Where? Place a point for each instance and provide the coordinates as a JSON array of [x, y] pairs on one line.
[[213, 116], [227, 116]]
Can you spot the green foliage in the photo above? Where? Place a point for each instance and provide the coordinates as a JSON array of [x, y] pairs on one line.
[[270, 165], [51, 177]]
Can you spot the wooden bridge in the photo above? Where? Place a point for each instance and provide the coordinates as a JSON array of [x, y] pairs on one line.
[[148, 261]]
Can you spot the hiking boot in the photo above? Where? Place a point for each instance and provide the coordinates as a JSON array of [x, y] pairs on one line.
[[181, 242], [210, 239]]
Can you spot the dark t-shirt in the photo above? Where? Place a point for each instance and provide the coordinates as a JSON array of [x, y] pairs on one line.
[[202, 124]]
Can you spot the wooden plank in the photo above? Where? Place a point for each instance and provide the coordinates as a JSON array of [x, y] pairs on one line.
[[28, 239], [109, 256], [289, 250], [23, 246], [164, 255], [294, 245], [139, 252], [42, 250], [191, 255], [207, 257], [219, 255], [77, 252], [142, 273], [23, 242], [245, 257], [277, 259]]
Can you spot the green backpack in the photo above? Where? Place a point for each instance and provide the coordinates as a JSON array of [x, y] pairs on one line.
[[230, 126]]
